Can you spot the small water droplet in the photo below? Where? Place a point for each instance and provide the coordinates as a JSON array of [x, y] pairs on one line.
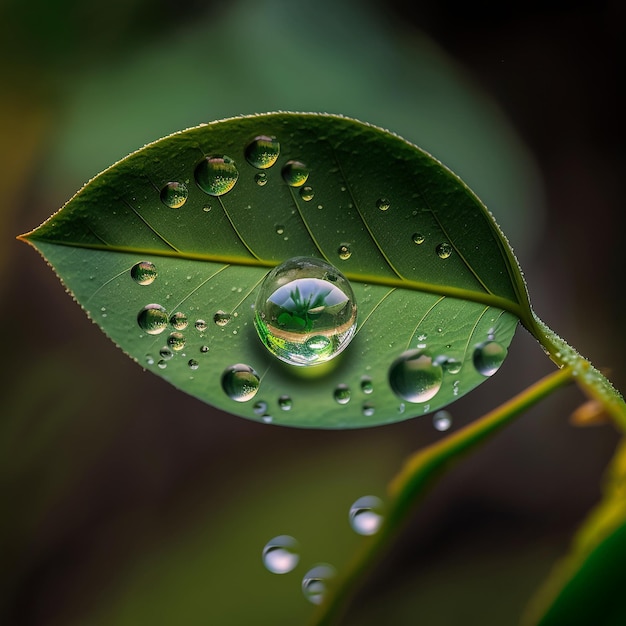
[[200, 325], [452, 366], [162, 364], [488, 357], [366, 385], [262, 152], [206, 208], [174, 195], [444, 250], [240, 382], [295, 173], [260, 179], [221, 318], [259, 407], [285, 403], [176, 341], [383, 204], [280, 229], [165, 353], [216, 175], [143, 273], [414, 377], [418, 238], [193, 364], [149, 359], [280, 554], [153, 319], [368, 409], [204, 349], [307, 193], [342, 394], [305, 311], [442, 420], [179, 320], [344, 252], [315, 582], [366, 515]]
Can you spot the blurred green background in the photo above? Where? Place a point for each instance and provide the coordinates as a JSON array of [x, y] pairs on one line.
[[125, 501]]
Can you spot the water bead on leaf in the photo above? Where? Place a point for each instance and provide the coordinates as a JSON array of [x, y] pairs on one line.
[[262, 152], [179, 321], [174, 195], [240, 382], [307, 193], [414, 376], [488, 357], [305, 311], [444, 250], [216, 175], [295, 173], [153, 319], [143, 273]]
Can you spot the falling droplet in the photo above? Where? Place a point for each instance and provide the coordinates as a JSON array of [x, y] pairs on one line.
[[193, 364], [285, 403], [418, 238], [280, 554], [342, 394], [179, 320], [444, 250], [366, 515], [200, 325], [488, 357], [315, 582], [174, 195], [307, 193], [262, 152], [305, 311], [414, 377], [153, 319], [295, 173], [221, 318], [383, 204], [216, 175], [143, 273], [442, 420], [240, 382], [344, 252], [176, 341], [367, 386], [260, 179]]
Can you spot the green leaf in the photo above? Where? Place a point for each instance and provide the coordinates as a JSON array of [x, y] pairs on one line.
[[429, 268]]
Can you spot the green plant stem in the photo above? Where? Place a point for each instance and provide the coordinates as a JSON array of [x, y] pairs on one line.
[[418, 474]]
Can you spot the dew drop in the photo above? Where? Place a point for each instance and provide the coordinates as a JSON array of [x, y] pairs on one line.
[[176, 341], [200, 325], [216, 175], [179, 321], [204, 349], [174, 195], [368, 409], [442, 420], [149, 359], [259, 407], [193, 364], [295, 173], [383, 204], [221, 318], [452, 366], [414, 377], [342, 394], [143, 273], [162, 364], [444, 250], [366, 515], [153, 319], [165, 353], [280, 554], [280, 229], [240, 382], [418, 238], [260, 179], [488, 357], [307, 193], [285, 403], [262, 152], [305, 311], [344, 252], [367, 386], [315, 582]]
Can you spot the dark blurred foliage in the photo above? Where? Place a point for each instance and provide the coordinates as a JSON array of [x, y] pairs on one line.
[[124, 501]]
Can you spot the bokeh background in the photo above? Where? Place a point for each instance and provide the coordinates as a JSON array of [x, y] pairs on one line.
[[126, 502]]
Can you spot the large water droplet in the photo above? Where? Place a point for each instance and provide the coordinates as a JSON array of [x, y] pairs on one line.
[[315, 582], [240, 382], [444, 250], [442, 420], [414, 377], [153, 319], [262, 152], [280, 554], [174, 195], [143, 273], [295, 173], [179, 320], [305, 311], [366, 515], [488, 357], [216, 175]]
